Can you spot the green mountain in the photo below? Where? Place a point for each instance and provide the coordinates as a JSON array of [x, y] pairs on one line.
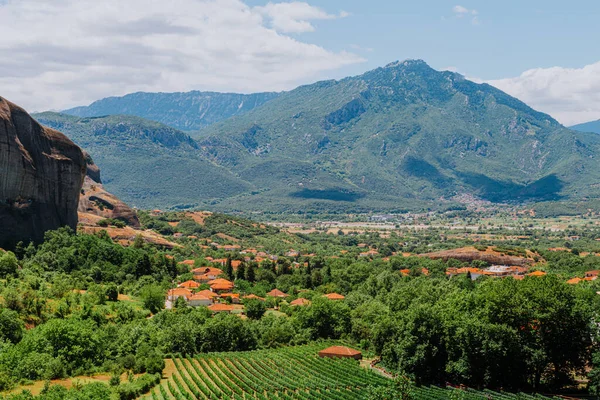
[[593, 126], [401, 137], [148, 164], [398, 134], [186, 111]]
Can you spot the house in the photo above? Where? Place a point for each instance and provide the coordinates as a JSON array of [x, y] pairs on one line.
[[277, 293], [220, 285], [300, 302], [189, 263], [334, 296], [230, 247], [369, 253], [340, 352], [235, 264], [197, 299], [574, 281], [217, 308], [537, 273], [591, 274], [206, 274], [235, 297], [208, 293], [189, 285], [176, 293], [253, 297]]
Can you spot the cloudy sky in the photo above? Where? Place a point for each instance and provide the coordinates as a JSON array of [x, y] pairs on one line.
[[56, 54]]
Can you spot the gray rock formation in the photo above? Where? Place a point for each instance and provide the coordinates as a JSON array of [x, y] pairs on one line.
[[41, 175]]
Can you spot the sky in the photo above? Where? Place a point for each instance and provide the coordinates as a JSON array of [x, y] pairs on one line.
[[56, 54]]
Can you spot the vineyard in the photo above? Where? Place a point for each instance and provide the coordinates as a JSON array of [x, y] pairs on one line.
[[290, 373]]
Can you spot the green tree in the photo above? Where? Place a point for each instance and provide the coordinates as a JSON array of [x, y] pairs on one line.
[[153, 298], [255, 308], [8, 264]]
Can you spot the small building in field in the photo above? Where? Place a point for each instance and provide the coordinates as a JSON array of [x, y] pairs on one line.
[[340, 352]]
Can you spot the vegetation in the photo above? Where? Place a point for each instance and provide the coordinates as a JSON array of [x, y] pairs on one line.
[[80, 304]]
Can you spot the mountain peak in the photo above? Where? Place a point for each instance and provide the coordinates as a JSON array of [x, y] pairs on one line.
[[407, 63]]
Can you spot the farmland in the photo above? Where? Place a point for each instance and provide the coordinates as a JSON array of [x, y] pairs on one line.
[[290, 373]]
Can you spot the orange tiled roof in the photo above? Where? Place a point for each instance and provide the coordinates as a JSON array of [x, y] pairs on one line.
[[188, 262], [220, 307], [300, 302], [574, 281], [253, 296], [219, 280], [198, 296], [537, 273], [221, 286], [207, 271], [334, 296], [277, 293], [232, 295], [189, 285], [179, 292], [340, 350], [207, 293]]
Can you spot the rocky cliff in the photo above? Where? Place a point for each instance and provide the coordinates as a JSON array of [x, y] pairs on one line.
[[41, 175], [95, 200]]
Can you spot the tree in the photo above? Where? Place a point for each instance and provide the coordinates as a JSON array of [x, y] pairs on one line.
[[112, 292], [11, 326], [228, 269], [241, 271], [255, 308], [8, 264], [250, 276], [153, 298]]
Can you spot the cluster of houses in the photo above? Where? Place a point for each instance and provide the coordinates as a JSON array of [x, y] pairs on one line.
[[589, 276], [220, 290]]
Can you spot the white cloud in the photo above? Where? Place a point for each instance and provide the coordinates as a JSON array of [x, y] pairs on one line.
[[60, 53], [571, 95], [295, 17], [460, 12]]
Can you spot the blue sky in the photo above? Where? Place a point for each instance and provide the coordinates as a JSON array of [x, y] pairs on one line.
[[511, 37], [63, 53]]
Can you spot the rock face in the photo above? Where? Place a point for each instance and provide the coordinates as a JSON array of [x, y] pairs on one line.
[[95, 200], [41, 175]]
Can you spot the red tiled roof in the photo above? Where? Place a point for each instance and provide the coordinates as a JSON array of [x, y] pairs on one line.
[[207, 293], [221, 286], [537, 273], [334, 296], [220, 307], [574, 281], [198, 296], [253, 296], [189, 285], [220, 281], [277, 293], [340, 351], [188, 262], [179, 292], [300, 302]]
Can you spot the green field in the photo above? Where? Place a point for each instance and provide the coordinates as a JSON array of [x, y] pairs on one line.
[[294, 372], [288, 373]]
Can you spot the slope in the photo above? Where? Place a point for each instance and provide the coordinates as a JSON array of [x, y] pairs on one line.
[[593, 126], [402, 133], [148, 164], [185, 111]]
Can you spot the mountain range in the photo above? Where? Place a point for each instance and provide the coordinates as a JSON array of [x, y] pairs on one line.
[[185, 111], [593, 126], [399, 137]]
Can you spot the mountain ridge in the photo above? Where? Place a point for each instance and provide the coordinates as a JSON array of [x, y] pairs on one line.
[[181, 110], [592, 126], [395, 137]]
